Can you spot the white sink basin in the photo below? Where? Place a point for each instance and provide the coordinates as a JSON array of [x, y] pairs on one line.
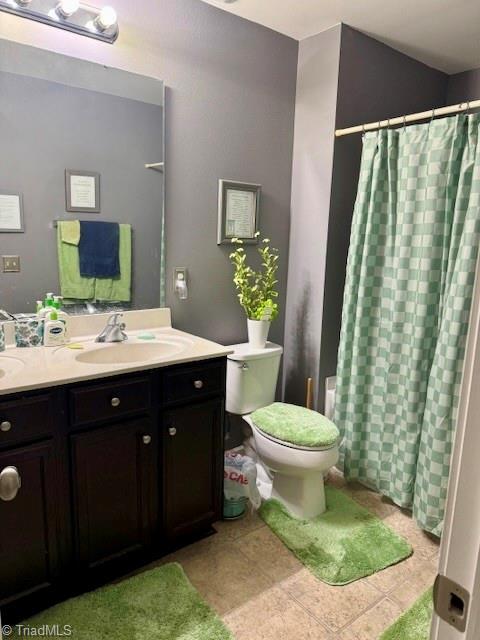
[[10, 366], [130, 353]]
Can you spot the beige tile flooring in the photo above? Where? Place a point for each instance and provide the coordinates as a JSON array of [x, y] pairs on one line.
[[262, 592]]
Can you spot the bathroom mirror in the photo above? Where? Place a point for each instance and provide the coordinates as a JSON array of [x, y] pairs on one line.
[[79, 142]]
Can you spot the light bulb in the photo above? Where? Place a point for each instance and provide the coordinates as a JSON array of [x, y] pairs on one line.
[[106, 18], [67, 8]]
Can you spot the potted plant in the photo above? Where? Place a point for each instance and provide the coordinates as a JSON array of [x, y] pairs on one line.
[[256, 290]]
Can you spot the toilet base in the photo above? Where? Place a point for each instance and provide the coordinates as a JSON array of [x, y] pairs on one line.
[[303, 496], [264, 482]]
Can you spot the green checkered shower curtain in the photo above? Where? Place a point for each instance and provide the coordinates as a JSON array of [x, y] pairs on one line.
[[408, 290]]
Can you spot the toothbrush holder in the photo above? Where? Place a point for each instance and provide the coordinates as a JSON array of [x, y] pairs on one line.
[[28, 332]]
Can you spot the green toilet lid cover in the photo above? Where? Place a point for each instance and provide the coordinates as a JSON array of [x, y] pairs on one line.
[[296, 425]]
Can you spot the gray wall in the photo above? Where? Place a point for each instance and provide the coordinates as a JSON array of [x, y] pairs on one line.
[[229, 114], [375, 82], [312, 173], [464, 86], [47, 127]]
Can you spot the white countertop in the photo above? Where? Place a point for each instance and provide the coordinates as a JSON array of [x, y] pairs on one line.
[[23, 369]]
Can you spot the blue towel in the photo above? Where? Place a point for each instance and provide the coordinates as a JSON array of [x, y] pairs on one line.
[[98, 249]]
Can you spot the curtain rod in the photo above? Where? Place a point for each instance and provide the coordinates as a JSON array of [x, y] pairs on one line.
[[413, 117]]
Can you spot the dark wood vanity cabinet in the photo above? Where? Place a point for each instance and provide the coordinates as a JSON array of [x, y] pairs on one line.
[[28, 525], [113, 484], [114, 473], [193, 470]]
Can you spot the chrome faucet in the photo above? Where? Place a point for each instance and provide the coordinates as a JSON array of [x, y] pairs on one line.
[[113, 331]]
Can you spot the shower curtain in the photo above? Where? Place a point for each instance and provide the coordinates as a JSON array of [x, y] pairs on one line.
[[410, 276]]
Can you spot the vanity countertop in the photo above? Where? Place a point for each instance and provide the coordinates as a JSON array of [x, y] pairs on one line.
[[25, 369]]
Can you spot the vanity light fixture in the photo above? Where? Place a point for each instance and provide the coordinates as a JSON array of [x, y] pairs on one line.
[[71, 15], [66, 8], [106, 19]]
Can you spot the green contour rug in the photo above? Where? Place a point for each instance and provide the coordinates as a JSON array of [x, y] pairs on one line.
[[344, 544], [160, 604], [415, 623]]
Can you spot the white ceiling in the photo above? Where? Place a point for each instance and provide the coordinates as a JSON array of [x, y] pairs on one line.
[[444, 34]]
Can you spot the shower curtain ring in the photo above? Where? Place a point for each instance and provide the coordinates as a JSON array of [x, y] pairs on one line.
[[404, 122]]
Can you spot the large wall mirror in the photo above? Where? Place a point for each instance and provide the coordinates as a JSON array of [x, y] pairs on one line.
[[79, 144]]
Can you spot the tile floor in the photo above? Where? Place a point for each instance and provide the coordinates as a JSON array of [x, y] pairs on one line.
[[262, 592]]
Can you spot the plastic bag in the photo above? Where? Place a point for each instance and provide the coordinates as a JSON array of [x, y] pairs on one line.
[[240, 484]]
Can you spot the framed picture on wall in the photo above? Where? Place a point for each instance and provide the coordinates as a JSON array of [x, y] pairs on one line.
[[238, 211], [11, 213], [82, 191]]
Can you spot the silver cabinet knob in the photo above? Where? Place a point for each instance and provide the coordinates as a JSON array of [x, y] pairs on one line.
[[147, 439], [198, 384], [5, 426], [10, 483], [115, 402], [172, 431]]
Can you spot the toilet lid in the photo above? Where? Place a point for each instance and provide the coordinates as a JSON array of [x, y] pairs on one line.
[[296, 425]]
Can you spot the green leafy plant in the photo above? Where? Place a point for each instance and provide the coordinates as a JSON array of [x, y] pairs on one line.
[[256, 290]]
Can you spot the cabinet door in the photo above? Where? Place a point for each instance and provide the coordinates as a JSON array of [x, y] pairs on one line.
[[113, 485], [28, 527], [193, 467]]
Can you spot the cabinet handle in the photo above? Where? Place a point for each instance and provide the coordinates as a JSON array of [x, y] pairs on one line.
[[198, 384], [172, 431], [115, 402], [5, 426], [10, 483], [147, 439]]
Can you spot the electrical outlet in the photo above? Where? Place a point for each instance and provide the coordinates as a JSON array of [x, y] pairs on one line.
[[11, 264]]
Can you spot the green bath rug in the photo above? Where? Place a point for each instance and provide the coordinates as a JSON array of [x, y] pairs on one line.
[[344, 544], [415, 623], [160, 604]]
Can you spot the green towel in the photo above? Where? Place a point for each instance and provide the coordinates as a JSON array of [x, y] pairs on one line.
[[72, 285], [118, 289], [70, 231]]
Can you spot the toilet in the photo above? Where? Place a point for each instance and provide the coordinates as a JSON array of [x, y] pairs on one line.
[[295, 447]]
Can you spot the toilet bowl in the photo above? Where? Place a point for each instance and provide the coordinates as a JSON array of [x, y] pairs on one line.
[[297, 473]]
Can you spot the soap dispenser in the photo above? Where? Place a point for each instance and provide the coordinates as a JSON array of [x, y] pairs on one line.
[[62, 315], [54, 331], [47, 306]]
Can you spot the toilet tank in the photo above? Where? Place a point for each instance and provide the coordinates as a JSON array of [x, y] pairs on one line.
[[252, 376]]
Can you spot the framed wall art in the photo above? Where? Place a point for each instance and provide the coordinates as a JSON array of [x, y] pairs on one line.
[[238, 211]]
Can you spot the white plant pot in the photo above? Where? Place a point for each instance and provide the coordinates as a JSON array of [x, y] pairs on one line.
[[258, 333]]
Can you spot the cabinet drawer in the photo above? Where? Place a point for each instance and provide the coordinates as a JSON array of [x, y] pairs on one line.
[[103, 401], [188, 383], [25, 419]]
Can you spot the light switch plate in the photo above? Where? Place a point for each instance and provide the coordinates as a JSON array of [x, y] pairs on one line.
[[11, 264]]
